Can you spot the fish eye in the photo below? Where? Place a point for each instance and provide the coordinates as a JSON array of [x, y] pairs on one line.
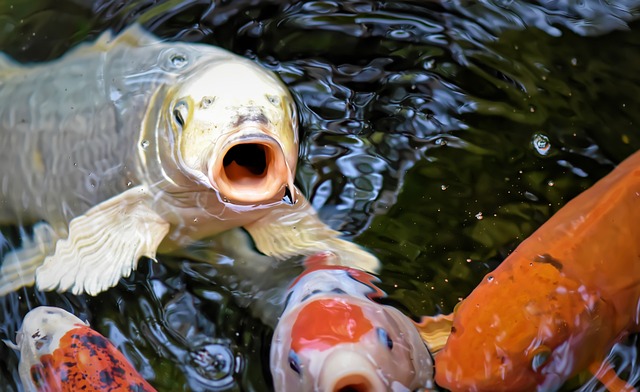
[[294, 362], [539, 357], [384, 337], [180, 113]]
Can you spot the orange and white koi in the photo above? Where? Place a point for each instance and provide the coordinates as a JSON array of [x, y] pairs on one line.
[[332, 336], [559, 302], [59, 352]]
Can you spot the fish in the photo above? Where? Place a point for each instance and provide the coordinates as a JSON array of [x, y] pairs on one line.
[[559, 302], [131, 146], [60, 352], [333, 336]]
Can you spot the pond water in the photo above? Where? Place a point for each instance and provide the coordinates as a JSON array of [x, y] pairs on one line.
[[436, 134]]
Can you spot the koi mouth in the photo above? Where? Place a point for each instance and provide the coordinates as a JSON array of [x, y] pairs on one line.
[[250, 168], [353, 383]]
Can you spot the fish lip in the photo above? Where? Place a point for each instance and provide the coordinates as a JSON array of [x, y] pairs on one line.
[[350, 370], [251, 188]]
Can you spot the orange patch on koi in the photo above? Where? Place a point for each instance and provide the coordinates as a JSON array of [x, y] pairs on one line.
[[325, 323]]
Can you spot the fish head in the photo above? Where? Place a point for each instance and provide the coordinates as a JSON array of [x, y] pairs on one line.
[[235, 127], [40, 334], [523, 327], [337, 342]]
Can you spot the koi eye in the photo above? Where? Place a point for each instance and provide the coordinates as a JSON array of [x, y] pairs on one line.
[[539, 357], [294, 362], [384, 338], [180, 113]]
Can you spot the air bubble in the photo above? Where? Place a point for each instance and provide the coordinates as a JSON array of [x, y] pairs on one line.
[[541, 144], [144, 144], [178, 60]]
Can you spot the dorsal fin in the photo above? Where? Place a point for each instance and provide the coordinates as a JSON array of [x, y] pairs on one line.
[[7, 62], [134, 36]]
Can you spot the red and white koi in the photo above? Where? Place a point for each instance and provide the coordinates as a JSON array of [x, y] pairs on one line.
[[332, 336], [60, 352]]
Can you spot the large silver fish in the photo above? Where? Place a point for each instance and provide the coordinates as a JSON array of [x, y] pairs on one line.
[[130, 145]]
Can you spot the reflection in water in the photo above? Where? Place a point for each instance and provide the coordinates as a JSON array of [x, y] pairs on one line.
[[417, 118]]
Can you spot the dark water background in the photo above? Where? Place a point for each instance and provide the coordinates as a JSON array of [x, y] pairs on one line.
[[437, 134]]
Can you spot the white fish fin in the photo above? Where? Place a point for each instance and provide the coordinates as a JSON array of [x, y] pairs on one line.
[[435, 330], [19, 266], [134, 36], [288, 231], [7, 62], [11, 344], [104, 245]]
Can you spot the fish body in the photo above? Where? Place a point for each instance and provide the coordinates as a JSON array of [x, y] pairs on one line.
[[333, 337], [158, 144], [559, 302], [59, 352]]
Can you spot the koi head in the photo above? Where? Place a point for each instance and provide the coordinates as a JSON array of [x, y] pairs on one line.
[[60, 352], [333, 339], [235, 130], [523, 327]]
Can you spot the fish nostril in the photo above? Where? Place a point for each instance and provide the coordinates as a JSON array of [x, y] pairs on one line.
[[353, 383]]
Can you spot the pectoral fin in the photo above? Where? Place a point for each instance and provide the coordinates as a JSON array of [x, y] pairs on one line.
[[104, 245], [290, 230], [607, 375], [435, 330], [19, 266]]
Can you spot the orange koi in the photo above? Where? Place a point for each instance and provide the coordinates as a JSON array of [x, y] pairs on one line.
[[559, 302], [332, 336], [59, 352]]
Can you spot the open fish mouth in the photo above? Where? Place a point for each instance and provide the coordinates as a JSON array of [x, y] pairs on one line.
[[250, 168], [349, 371]]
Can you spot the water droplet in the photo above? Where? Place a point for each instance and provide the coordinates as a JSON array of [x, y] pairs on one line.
[[206, 102], [541, 144], [129, 183], [214, 362], [144, 144], [551, 183], [195, 220], [179, 60], [444, 187], [479, 216]]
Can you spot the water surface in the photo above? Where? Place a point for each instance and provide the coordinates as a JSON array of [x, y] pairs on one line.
[[437, 134]]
